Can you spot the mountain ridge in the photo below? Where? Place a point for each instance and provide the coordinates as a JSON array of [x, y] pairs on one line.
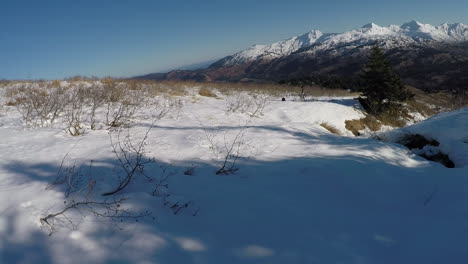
[[412, 30], [428, 57]]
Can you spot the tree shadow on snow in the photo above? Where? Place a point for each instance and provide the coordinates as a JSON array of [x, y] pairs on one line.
[[350, 208], [16, 247]]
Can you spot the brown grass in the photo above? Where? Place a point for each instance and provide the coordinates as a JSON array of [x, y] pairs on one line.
[[330, 128], [181, 88], [5, 82], [56, 83], [372, 123], [278, 90], [11, 103], [79, 78], [357, 125], [155, 88], [206, 92], [431, 103], [226, 88], [421, 107], [394, 117]]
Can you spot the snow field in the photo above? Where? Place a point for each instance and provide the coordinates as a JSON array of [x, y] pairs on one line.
[[300, 194]]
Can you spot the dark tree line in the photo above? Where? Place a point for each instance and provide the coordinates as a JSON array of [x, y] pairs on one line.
[[327, 81]]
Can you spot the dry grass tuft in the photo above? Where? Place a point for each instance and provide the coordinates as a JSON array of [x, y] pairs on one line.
[[177, 91], [330, 128], [420, 107], [357, 125], [56, 83], [11, 103], [394, 118], [372, 123], [206, 92]]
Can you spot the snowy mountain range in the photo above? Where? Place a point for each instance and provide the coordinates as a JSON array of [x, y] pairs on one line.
[[275, 50], [428, 57], [392, 36]]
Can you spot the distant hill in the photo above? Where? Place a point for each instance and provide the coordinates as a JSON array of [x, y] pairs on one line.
[[428, 57]]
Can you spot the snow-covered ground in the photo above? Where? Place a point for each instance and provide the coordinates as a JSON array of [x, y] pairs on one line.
[[300, 194]]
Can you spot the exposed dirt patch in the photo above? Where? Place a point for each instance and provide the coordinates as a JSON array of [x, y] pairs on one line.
[[417, 141], [426, 148]]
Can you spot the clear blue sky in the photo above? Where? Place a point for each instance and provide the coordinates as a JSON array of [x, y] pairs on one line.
[[53, 39]]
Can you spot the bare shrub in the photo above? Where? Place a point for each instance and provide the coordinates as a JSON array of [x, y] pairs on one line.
[[96, 97], [133, 85], [161, 186], [180, 88], [302, 91], [74, 178], [271, 89], [232, 153], [229, 149], [120, 113], [260, 101], [176, 105], [130, 154], [79, 186], [237, 102], [460, 98], [39, 106], [132, 160], [74, 110], [251, 104], [122, 104], [110, 209], [174, 202], [114, 92]]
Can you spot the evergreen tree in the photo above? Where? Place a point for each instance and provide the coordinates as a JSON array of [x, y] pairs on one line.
[[383, 89]]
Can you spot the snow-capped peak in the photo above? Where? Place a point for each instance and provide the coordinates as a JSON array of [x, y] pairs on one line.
[[276, 50], [416, 29], [414, 25], [457, 31], [370, 25]]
